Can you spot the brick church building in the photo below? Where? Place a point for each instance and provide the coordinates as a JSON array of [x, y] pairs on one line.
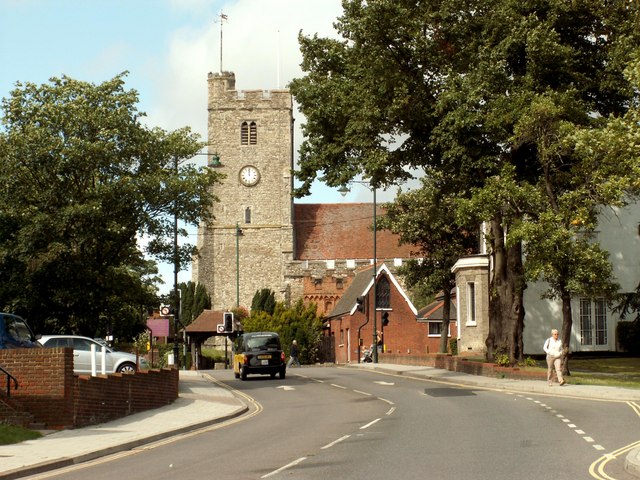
[[260, 237]]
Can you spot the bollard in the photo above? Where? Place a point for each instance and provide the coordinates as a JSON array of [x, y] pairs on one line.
[[93, 360]]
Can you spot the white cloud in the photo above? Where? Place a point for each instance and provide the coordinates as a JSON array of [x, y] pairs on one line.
[[260, 45]]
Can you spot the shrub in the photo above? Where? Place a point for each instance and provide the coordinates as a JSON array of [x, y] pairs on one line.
[[529, 362], [628, 334], [501, 359], [453, 345]]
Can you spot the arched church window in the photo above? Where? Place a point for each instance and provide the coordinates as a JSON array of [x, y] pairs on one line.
[[247, 215], [244, 133], [253, 133], [383, 293]]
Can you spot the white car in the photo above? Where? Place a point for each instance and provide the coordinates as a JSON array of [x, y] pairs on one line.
[[116, 362]]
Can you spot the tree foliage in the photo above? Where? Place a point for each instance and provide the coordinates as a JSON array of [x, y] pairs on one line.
[[491, 95], [81, 180], [423, 217], [299, 322], [264, 301], [194, 299]]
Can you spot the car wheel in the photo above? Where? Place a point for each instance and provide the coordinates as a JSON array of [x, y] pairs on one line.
[[243, 373], [127, 368], [283, 373]]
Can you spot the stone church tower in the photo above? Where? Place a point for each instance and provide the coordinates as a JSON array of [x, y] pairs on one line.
[[251, 239]]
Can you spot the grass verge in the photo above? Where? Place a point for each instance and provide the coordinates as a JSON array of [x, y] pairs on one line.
[[13, 434]]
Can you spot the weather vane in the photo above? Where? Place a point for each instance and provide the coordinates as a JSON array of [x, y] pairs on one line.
[[223, 17]]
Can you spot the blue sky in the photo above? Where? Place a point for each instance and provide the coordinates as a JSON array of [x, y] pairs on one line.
[[168, 47]]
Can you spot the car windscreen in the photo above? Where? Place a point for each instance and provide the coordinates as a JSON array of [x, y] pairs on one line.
[[17, 329], [263, 342]]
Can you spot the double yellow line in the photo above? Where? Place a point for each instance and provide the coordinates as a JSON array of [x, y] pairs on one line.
[[596, 470]]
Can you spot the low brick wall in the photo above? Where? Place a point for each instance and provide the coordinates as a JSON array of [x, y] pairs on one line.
[[104, 398], [45, 383], [57, 398], [460, 364]]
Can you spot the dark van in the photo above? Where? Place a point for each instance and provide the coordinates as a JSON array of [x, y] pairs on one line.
[[15, 332], [259, 353]]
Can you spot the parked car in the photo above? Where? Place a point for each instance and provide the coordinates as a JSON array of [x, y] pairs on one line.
[[15, 332], [260, 353], [116, 362]]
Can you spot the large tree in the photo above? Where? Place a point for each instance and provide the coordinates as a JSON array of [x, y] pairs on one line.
[[445, 86], [81, 181], [423, 217]]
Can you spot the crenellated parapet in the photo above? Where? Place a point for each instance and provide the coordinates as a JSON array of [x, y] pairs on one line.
[[223, 93]]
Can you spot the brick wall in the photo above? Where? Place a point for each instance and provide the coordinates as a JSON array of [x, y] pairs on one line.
[[104, 398], [460, 364], [45, 382], [57, 398]]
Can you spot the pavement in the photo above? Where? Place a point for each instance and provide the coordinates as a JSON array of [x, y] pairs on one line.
[[203, 402]]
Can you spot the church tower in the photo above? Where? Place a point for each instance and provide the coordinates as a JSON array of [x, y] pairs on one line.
[[251, 238]]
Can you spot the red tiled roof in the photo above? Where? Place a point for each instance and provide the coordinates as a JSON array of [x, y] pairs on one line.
[[206, 322], [331, 231]]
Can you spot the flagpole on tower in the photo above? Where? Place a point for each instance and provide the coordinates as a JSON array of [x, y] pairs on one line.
[[222, 18]]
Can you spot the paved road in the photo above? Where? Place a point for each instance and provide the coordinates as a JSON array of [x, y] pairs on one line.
[[349, 423]]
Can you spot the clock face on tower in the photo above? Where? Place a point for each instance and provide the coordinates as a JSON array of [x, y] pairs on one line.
[[249, 175]]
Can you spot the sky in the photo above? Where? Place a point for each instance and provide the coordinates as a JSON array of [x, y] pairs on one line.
[[168, 47]]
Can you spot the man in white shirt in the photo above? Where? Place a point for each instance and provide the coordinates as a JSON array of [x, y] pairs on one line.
[[553, 349]]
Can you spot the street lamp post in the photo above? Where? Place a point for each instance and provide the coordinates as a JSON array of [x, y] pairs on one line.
[[343, 191], [238, 235], [176, 269]]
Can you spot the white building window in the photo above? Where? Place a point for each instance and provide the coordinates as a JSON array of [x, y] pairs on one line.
[[471, 303], [435, 328], [593, 322]]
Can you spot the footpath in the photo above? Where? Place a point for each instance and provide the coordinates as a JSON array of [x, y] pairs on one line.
[[203, 402]]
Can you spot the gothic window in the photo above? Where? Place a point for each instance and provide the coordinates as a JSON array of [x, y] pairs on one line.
[[383, 293], [253, 133], [247, 215], [248, 133], [244, 133]]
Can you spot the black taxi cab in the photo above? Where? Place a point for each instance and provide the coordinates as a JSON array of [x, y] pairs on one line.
[[258, 353]]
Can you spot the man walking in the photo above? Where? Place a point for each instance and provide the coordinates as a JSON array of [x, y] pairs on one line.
[[553, 349], [293, 355]]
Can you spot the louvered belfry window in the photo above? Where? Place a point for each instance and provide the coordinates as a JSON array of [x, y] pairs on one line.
[[253, 133], [244, 133]]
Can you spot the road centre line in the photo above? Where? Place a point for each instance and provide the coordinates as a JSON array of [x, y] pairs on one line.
[[573, 426], [338, 386], [289, 465], [362, 393], [329, 445], [370, 423]]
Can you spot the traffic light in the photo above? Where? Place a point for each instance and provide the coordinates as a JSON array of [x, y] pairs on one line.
[[228, 322], [385, 319], [360, 304]]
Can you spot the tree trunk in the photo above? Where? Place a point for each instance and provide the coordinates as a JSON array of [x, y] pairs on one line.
[[506, 305], [446, 314]]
